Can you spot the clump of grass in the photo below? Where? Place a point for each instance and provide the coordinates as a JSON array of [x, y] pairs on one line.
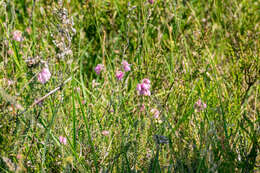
[[138, 86]]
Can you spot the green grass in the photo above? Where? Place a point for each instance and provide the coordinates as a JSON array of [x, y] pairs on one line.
[[189, 50]]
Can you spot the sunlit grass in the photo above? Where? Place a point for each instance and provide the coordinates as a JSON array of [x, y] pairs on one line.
[[129, 86]]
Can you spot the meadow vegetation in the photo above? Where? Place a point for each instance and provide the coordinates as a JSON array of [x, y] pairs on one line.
[[129, 86]]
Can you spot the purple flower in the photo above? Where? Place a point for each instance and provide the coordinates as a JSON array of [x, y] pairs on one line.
[[44, 75], [17, 36], [126, 66], [144, 87], [120, 75], [63, 140], [99, 68]]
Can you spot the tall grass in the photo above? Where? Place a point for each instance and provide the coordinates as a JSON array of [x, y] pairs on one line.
[[193, 53]]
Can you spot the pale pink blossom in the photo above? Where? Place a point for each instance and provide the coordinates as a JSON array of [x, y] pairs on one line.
[[120, 75], [63, 140], [44, 75], [105, 132], [99, 68], [155, 113], [126, 66], [17, 36]]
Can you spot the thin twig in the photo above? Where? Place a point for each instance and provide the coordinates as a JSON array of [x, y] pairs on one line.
[[47, 95], [50, 93]]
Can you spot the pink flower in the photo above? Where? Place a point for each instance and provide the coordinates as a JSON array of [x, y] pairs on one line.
[[145, 92], [17, 36], [126, 66], [83, 102], [44, 75], [63, 140], [19, 156], [142, 108], [120, 75], [99, 68], [10, 52], [139, 88], [78, 89], [29, 30], [146, 81], [144, 87], [151, 1], [10, 82], [105, 133], [155, 113], [199, 106]]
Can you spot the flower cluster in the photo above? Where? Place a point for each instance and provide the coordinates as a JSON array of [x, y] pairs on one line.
[[200, 106], [44, 75], [144, 87]]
